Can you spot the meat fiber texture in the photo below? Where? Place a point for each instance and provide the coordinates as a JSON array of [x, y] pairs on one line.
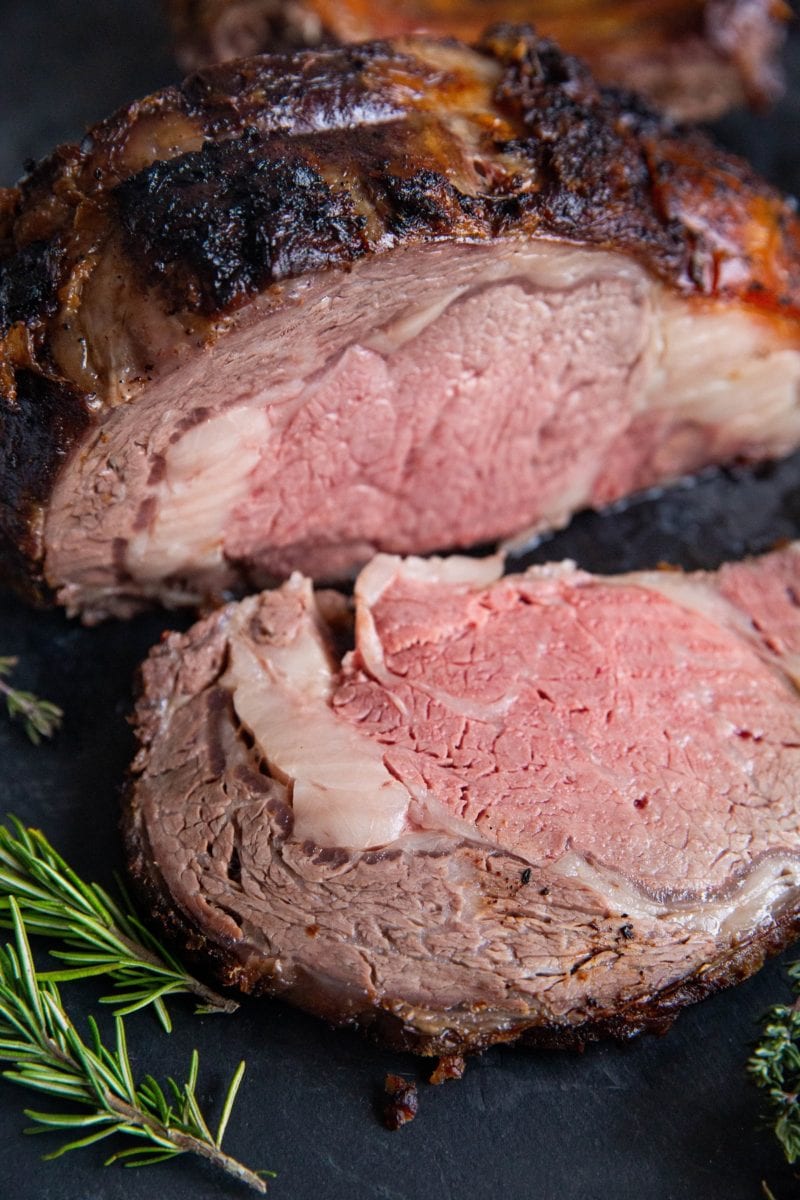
[[550, 805], [695, 58], [398, 297]]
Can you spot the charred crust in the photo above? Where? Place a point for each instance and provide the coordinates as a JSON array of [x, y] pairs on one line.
[[423, 201], [559, 156], [294, 93], [29, 282], [38, 429], [219, 224]]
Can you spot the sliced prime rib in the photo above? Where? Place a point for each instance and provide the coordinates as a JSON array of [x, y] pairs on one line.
[[398, 297], [554, 804], [694, 58]]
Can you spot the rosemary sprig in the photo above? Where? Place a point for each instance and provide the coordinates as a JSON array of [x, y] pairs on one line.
[[40, 718], [99, 936], [774, 1065], [49, 1055]]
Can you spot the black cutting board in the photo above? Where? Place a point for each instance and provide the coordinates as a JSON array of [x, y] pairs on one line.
[[669, 1118]]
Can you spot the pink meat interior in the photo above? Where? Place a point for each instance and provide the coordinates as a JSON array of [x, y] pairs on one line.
[[655, 732], [431, 398]]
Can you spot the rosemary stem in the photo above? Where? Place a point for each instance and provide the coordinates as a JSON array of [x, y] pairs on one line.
[[220, 1159], [189, 1144], [180, 1140]]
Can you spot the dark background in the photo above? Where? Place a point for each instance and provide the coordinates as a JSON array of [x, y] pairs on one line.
[[657, 1119]]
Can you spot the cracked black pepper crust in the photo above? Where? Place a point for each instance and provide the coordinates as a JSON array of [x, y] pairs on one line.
[[202, 196]]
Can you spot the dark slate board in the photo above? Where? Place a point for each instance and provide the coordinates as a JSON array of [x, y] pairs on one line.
[[667, 1119]]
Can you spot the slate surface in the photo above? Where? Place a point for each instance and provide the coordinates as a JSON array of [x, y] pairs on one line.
[[661, 1119]]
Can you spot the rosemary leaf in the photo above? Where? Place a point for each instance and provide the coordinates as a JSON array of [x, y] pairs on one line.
[[49, 1055], [98, 935], [139, 1156], [65, 1120], [79, 1143], [228, 1103], [125, 1071]]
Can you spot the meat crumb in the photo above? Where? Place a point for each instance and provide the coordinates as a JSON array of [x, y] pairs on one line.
[[403, 1101], [449, 1066]]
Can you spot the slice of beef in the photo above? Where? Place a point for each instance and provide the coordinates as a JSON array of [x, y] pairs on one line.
[[553, 805], [396, 297], [694, 58]]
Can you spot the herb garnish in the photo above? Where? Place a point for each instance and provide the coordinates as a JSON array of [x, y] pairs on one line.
[[775, 1067], [49, 1055], [40, 718], [98, 935]]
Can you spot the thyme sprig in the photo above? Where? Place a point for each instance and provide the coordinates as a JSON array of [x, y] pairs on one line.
[[98, 935], [49, 1055], [40, 718], [774, 1065]]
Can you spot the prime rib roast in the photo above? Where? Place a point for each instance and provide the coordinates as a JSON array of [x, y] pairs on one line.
[[394, 297], [551, 805], [695, 58]]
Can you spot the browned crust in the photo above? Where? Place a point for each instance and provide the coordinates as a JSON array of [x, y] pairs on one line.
[[729, 49], [201, 196], [37, 430], [222, 960]]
